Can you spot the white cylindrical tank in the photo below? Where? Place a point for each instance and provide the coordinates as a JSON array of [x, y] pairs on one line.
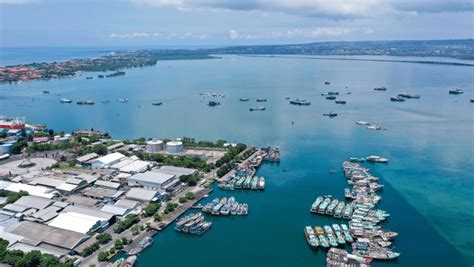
[[174, 147], [154, 146]]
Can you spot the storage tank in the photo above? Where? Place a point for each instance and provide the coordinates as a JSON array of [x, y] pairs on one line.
[[154, 146], [174, 147]]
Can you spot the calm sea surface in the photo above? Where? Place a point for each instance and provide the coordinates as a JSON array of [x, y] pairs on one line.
[[429, 182]]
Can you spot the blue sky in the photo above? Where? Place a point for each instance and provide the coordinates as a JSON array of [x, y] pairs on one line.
[[228, 22]]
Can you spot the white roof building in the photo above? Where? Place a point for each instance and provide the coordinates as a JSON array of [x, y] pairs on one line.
[[153, 180], [39, 191], [107, 160], [142, 194], [78, 222]]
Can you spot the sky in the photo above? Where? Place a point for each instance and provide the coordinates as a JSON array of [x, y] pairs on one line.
[[204, 23]]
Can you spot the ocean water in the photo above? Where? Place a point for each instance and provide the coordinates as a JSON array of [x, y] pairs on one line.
[[430, 142]]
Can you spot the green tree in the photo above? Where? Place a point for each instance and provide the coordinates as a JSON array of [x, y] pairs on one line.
[[103, 256]]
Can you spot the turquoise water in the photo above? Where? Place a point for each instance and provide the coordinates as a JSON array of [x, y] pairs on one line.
[[430, 142]]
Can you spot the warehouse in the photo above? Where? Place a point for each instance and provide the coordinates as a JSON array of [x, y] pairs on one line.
[[154, 180], [143, 195], [107, 161], [43, 236], [176, 171], [78, 222]]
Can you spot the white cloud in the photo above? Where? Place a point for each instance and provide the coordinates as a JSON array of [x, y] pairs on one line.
[[17, 2], [335, 9], [310, 33], [159, 35]]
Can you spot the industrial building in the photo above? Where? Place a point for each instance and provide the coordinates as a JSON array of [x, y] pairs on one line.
[[79, 222], [143, 195], [176, 171], [107, 160], [154, 180], [43, 237]]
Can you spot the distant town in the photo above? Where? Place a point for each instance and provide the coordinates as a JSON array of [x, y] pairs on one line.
[[83, 197], [113, 62]]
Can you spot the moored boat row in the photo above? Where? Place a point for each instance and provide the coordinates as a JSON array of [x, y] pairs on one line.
[[193, 224], [226, 207]]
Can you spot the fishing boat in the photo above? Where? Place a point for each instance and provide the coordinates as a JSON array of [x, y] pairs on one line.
[[254, 183], [330, 97], [257, 109], [157, 103], [332, 206], [300, 102], [397, 99], [323, 242], [65, 100], [247, 182], [332, 240], [244, 99], [456, 91], [322, 207], [311, 237], [339, 209], [340, 238], [261, 183], [328, 230], [245, 209], [382, 88], [316, 203], [319, 230], [261, 100], [330, 114], [340, 102]]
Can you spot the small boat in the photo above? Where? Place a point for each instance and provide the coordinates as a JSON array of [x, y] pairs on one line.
[[65, 100], [157, 103], [333, 93], [456, 92], [261, 100], [397, 99], [330, 114], [383, 88], [213, 103], [287, 98], [89, 102], [89, 78], [244, 99], [122, 100], [408, 95], [377, 159], [340, 101], [257, 109], [363, 123], [106, 101], [327, 83], [352, 159], [300, 102], [45, 92], [472, 100], [330, 97]]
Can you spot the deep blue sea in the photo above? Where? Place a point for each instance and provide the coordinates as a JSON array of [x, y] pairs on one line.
[[430, 142]]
